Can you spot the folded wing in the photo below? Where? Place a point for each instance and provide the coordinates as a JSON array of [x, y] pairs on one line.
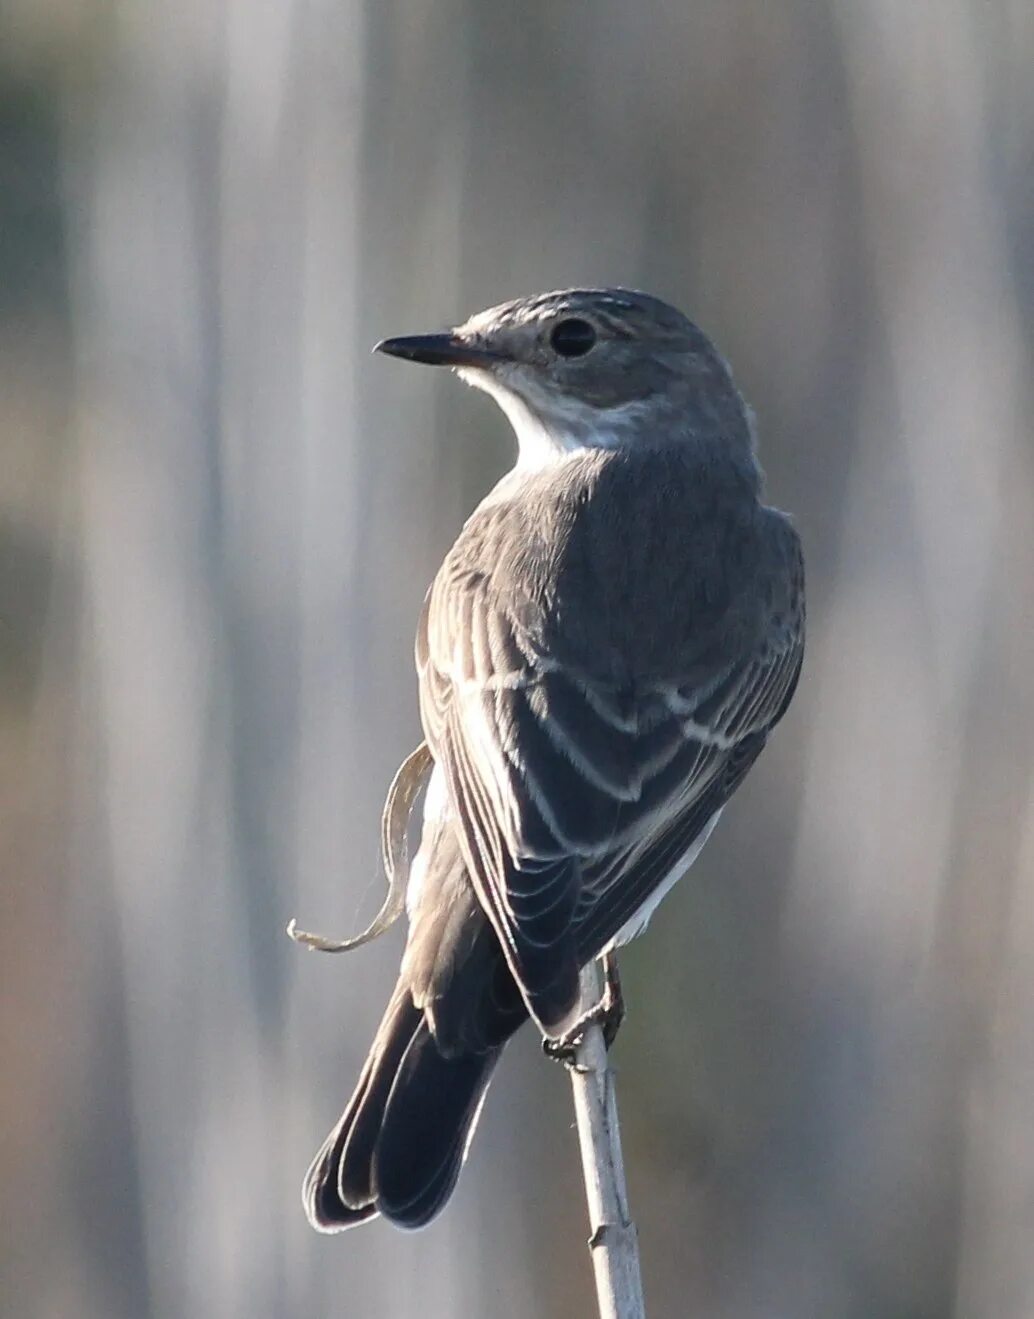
[[575, 795]]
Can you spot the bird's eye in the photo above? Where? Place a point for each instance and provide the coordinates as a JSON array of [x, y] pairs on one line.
[[572, 337]]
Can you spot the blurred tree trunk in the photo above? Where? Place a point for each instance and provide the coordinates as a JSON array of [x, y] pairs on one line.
[[242, 547]]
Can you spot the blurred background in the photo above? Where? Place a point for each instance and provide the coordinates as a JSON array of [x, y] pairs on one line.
[[218, 517]]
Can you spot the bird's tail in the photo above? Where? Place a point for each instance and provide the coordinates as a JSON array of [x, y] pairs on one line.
[[400, 1143]]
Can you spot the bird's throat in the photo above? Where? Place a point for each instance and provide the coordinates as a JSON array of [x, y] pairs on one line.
[[550, 427]]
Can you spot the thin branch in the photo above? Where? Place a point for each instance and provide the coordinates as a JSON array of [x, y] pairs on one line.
[[614, 1243]]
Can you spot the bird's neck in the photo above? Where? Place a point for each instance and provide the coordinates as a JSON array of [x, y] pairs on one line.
[[550, 428], [556, 427]]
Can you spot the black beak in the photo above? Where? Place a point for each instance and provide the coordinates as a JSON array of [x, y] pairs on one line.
[[437, 350]]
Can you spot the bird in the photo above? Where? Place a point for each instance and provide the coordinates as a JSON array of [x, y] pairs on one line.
[[601, 658]]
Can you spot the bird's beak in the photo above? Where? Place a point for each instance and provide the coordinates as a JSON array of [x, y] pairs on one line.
[[437, 350]]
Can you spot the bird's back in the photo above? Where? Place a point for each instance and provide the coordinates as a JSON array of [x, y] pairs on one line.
[[684, 588]]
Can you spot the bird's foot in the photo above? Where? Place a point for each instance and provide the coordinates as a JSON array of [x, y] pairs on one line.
[[608, 1012]]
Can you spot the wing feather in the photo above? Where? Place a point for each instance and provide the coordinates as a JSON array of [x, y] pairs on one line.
[[576, 791]]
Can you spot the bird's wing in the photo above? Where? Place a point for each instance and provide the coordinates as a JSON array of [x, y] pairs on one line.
[[572, 794]]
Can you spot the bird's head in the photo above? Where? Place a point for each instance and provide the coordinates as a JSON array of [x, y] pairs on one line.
[[596, 368]]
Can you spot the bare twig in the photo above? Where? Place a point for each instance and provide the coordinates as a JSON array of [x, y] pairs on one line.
[[614, 1243]]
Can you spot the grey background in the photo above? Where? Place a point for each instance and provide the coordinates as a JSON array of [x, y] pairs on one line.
[[218, 516]]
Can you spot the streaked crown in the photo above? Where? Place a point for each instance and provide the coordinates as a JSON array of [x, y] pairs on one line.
[[596, 367]]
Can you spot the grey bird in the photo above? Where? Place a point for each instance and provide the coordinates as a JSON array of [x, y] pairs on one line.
[[601, 659]]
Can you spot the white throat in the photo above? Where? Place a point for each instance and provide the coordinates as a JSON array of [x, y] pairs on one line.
[[551, 427]]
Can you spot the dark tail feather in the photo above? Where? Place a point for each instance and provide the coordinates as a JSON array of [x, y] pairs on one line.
[[399, 1146]]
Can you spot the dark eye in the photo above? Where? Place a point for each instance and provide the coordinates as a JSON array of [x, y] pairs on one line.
[[573, 337]]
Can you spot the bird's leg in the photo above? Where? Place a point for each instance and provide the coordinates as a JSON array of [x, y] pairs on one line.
[[613, 1000], [608, 1012]]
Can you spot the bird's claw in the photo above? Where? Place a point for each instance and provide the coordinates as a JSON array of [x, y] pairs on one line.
[[608, 1013], [564, 1049]]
